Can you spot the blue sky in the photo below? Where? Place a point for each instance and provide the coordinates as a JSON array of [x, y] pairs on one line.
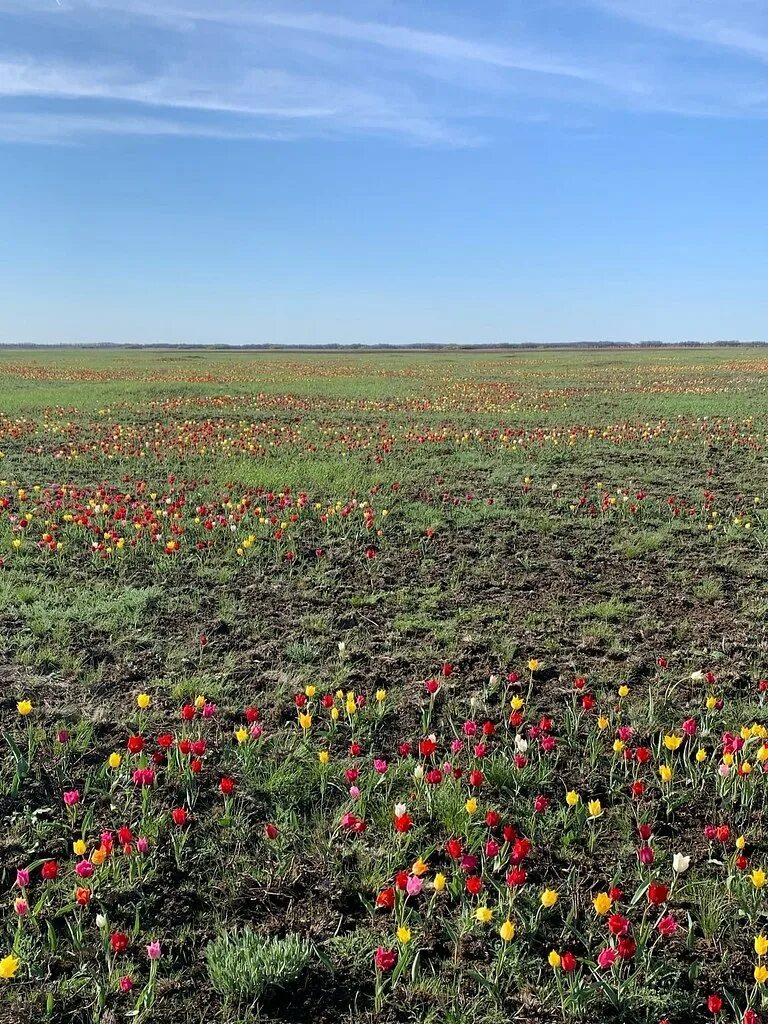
[[237, 171]]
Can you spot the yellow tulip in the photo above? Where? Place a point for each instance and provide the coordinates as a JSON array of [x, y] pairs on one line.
[[572, 798], [115, 760], [403, 934], [554, 959], [471, 805], [381, 696], [305, 721], [8, 966], [507, 931], [761, 945], [143, 700], [549, 898], [758, 878], [310, 691], [483, 914], [241, 735], [602, 903], [595, 808], [672, 742], [665, 773], [79, 847], [624, 690], [439, 882], [761, 974], [533, 665], [24, 707], [323, 757]]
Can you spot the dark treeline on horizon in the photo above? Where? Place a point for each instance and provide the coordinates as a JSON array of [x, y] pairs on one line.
[[415, 347]]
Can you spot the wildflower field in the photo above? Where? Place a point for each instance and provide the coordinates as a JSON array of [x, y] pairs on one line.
[[399, 687]]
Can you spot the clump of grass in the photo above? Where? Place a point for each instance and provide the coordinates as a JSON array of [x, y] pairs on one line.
[[246, 965], [710, 589]]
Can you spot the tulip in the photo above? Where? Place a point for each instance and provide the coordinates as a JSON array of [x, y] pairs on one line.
[[414, 885], [9, 965], [549, 898], [680, 863], [153, 950], [667, 925], [507, 931], [385, 959], [602, 903], [607, 957], [568, 962]]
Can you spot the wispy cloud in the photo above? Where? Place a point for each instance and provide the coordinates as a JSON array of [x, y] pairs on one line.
[[738, 24], [236, 69], [35, 127]]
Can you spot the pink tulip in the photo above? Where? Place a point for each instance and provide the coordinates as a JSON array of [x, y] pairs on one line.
[[414, 885], [607, 957]]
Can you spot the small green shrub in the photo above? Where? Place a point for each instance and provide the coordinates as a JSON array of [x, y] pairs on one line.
[[245, 965]]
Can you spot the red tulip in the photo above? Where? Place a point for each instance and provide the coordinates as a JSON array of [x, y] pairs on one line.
[[119, 942], [385, 959], [386, 898], [657, 893]]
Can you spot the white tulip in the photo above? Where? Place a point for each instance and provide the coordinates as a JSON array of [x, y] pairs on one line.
[[400, 810], [521, 745], [680, 863]]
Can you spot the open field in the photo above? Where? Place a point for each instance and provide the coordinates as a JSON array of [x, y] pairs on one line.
[[424, 666]]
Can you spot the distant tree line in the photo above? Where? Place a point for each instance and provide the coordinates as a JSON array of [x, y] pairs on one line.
[[383, 347]]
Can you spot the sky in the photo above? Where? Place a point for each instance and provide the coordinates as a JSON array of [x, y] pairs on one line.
[[383, 171]]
